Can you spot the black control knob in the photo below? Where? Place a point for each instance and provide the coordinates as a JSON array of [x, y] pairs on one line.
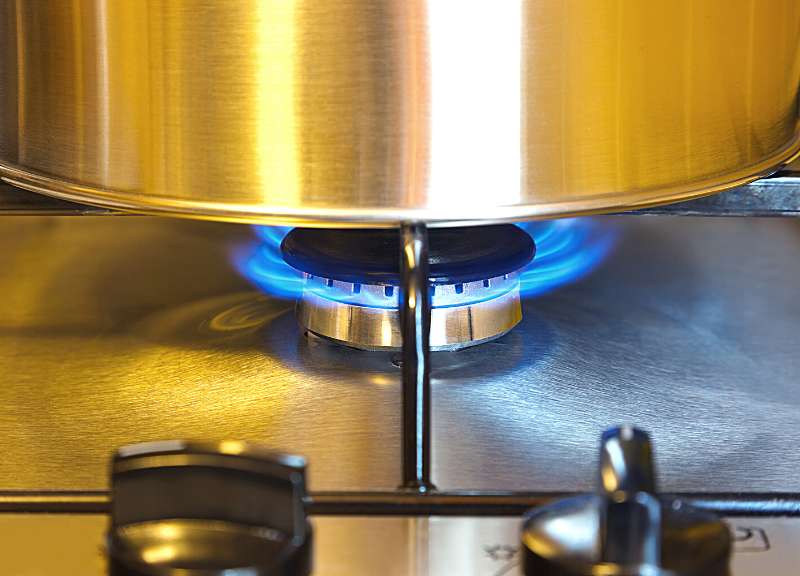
[[624, 529], [192, 509]]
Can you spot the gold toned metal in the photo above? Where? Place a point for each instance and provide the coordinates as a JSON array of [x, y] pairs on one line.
[[452, 327], [369, 112], [121, 321]]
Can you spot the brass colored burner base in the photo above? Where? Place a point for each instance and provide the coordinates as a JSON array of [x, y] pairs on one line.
[[375, 328]]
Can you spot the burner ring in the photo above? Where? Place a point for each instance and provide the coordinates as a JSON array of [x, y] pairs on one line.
[[368, 328], [368, 256], [351, 278]]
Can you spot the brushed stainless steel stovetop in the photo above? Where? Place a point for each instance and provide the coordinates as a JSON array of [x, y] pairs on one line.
[[119, 330]]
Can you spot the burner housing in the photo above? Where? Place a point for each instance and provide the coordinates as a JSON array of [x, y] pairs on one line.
[[351, 284]]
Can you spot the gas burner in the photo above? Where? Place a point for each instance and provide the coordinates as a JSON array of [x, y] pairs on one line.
[[351, 284]]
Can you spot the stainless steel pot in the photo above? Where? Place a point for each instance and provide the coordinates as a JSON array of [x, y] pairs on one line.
[[369, 112]]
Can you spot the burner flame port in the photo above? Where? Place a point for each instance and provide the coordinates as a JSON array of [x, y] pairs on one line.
[[478, 299], [351, 284]]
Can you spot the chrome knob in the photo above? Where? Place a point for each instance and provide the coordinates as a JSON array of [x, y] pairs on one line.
[[624, 529], [210, 509]]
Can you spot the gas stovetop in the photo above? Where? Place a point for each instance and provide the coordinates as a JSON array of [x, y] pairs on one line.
[[120, 330]]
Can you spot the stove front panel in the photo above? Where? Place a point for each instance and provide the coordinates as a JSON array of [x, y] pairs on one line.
[[396, 546]]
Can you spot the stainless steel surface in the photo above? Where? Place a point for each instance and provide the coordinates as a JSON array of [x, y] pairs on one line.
[[121, 330], [453, 327], [369, 546], [380, 111]]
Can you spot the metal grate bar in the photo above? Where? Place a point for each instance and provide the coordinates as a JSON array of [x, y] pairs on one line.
[[405, 503], [415, 325]]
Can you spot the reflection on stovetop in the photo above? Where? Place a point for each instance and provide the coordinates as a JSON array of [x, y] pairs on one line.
[[121, 330]]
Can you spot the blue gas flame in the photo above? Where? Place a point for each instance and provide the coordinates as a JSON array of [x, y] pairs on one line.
[[264, 266], [566, 251]]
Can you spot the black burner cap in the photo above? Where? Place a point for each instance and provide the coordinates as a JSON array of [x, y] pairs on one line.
[[372, 256]]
